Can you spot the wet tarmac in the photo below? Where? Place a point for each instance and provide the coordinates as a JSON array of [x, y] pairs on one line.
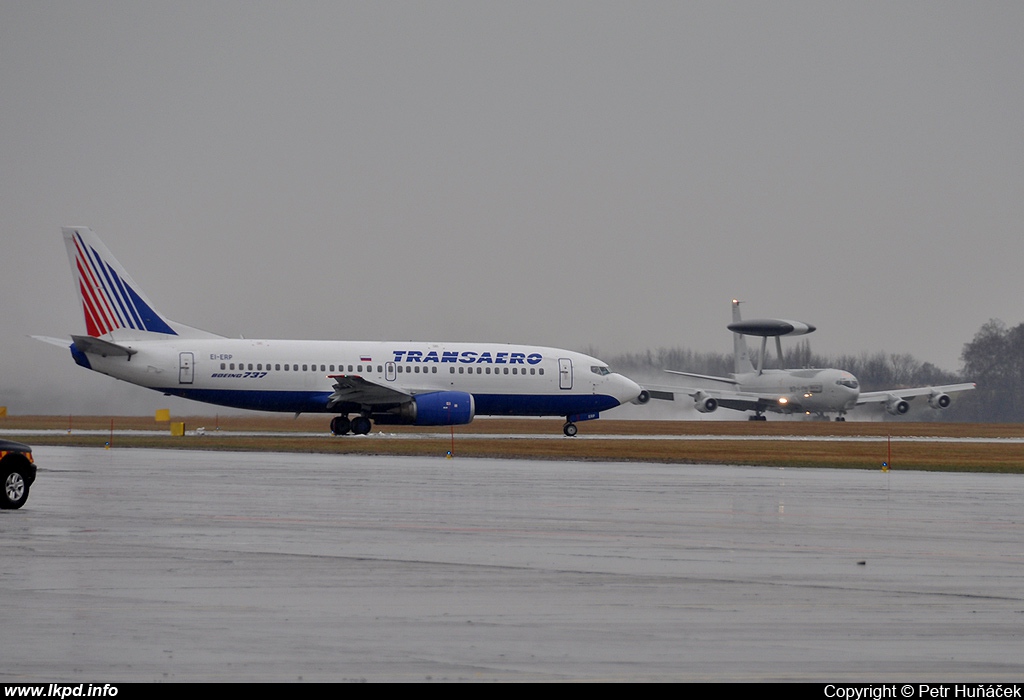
[[154, 565]]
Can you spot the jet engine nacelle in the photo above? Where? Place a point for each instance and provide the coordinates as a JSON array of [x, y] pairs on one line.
[[643, 398], [704, 403], [897, 407], [938, 400], [436, 408]]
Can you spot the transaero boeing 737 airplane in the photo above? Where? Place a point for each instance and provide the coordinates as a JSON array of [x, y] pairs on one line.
[[413, 383]]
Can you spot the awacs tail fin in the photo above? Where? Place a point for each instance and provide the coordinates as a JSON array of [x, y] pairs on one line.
[[741, 356], [112, 303]]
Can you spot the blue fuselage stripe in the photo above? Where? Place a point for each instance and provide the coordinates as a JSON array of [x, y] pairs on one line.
[[316, 401]]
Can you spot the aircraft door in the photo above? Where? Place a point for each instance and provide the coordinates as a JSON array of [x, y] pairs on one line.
[[389, 371], [564, 373], [186, 367]]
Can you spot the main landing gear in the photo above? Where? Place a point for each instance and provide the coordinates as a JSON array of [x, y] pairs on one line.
[[341, 425], [570, 429], [757, 417]]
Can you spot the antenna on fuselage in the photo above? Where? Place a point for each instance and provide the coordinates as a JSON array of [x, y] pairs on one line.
[[767, 328]]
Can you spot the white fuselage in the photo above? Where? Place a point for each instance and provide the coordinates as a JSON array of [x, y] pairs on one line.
[[296, 375], [810, 390]]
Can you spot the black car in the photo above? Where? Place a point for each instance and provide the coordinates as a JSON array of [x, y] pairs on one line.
[[17, 472]]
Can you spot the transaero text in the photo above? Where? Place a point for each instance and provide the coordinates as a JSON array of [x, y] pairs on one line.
[[923, 690], [469, 357]]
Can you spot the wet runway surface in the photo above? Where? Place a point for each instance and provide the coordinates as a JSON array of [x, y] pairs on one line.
[[381, 435], [152, 565]]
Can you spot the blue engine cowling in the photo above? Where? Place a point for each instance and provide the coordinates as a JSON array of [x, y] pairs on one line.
[[437, 408]]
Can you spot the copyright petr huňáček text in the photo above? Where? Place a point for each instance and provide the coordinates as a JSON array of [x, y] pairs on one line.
[[922, 690]]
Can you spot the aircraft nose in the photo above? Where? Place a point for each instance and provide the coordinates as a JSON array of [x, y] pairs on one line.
[[852, 396], [625, 389]]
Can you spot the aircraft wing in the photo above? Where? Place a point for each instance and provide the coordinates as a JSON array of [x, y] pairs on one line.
[[708, 377], [909, 394], [353, 389], [726, 398], [736, 400], [740, 401]]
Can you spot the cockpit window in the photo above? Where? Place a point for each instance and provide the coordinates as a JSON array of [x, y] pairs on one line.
[[600, 370], [851, 383]]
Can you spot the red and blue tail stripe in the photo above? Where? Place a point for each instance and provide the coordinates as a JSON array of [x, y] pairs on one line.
[[108, 301]]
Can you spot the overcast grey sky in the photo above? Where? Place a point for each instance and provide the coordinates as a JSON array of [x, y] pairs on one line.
[[587, 175]]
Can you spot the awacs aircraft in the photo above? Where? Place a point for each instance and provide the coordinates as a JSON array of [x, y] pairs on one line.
[[816, 391], [413, 383]]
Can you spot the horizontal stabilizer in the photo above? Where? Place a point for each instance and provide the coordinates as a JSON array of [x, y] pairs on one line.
[[95, 346], [59, 342]]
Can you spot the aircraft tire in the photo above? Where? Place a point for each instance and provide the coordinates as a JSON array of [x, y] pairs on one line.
[[361, 425], [15, 488], [570, 429], [340, 425]]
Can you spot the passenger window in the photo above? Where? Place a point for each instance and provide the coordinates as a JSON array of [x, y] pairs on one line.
[[223, 365]]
